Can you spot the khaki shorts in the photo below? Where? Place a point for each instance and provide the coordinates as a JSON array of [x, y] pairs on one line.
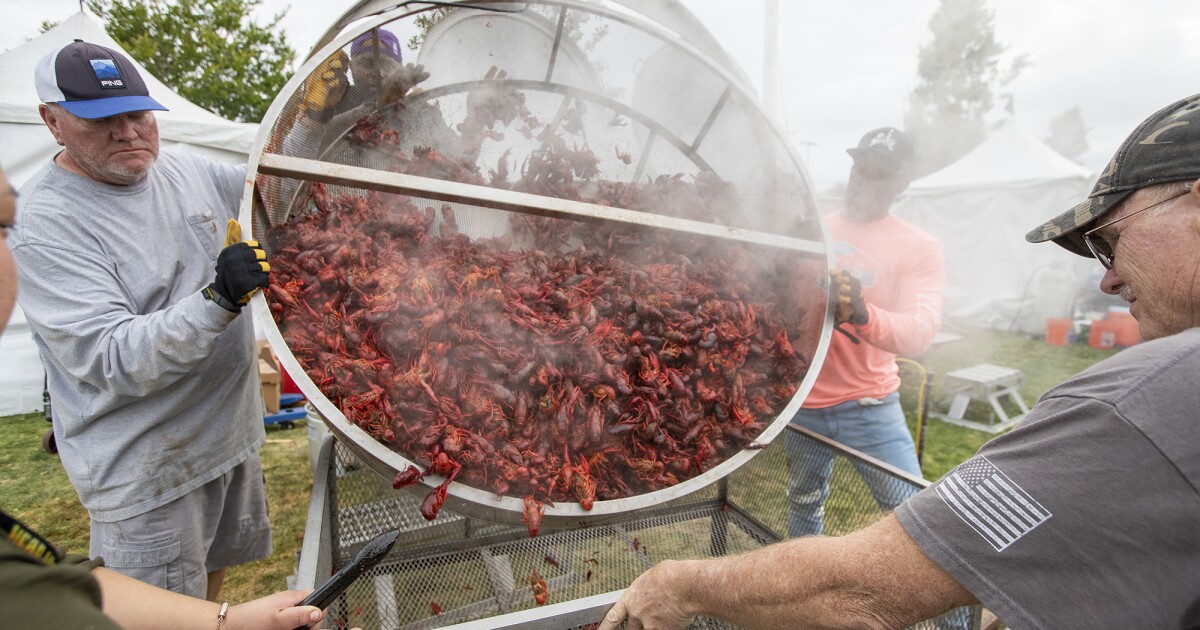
[[220, 524]]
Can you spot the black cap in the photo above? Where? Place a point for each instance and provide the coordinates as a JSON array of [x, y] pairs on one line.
[[92, 81], [1164, 148], [890, 145]]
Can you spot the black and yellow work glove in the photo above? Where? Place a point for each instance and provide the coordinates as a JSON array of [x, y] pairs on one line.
[[242, 269], [846, 292], [326, 87]]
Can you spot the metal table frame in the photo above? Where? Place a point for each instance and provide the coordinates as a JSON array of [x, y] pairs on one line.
[[452, 538]]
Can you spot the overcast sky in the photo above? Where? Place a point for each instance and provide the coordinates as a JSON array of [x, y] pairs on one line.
[[848, 65]]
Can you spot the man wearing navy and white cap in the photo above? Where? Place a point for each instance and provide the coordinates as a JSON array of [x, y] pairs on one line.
[[1083, 516], [150, 362]]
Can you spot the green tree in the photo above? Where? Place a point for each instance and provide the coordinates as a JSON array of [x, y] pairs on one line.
[[958, 71], [573, 27], [1068, 134], [209, 51], [425, 22]]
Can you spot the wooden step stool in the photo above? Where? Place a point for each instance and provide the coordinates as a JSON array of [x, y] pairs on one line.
[[984, 382]]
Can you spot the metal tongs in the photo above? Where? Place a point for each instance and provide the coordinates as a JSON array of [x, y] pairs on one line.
[[367, 557]]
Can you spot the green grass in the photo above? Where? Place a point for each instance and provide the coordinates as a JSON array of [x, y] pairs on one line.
[[35, 489], [1044, 366], [289, 485]]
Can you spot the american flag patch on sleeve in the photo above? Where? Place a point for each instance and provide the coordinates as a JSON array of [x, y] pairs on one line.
[[990, 503]]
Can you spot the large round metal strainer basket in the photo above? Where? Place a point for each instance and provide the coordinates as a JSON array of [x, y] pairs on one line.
[[553, 243]]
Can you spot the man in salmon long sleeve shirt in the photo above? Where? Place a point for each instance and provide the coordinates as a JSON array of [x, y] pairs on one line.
[[855, 400]]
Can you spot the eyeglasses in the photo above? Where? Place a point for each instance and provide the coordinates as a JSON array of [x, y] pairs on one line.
[[1100, 248]]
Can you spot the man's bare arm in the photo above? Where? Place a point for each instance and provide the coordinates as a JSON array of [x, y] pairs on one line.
[[875, 578]]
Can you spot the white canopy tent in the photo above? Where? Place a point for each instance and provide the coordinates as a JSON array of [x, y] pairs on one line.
[[26, 145], [981, 207]]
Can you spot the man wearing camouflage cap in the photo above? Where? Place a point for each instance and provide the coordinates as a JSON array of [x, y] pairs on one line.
[[1085, 515]]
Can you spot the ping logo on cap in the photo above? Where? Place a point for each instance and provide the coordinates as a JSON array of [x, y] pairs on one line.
[[92, 82], [107, 74]]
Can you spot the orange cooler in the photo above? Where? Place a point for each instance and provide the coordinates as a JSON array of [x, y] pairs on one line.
[[1125, 327], [1103, 335], [1058, 331]]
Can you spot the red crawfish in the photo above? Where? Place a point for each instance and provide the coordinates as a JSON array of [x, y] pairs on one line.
[[448, 468], [785, 346], [407, 477], [433, 501], [437, 610], [662, 337], [585, 486], [538, 586], [445, 466], [532, 515]]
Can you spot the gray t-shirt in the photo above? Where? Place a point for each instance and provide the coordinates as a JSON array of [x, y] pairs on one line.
[[155, 389], [1087, 514]]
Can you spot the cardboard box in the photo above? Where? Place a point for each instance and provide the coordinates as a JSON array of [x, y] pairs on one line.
[[269, 377], [264, 352]]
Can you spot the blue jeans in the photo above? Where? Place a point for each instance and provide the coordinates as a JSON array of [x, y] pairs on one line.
[[879, 430]]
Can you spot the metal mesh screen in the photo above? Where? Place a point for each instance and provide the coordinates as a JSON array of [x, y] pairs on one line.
[[494, 86], [529, 235], [463, 572]]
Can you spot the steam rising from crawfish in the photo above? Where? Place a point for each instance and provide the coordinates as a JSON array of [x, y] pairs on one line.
[[564, 362]]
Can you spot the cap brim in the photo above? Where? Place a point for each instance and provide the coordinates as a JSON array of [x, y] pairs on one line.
[[883, 160], [105, 107], [858, 154], [1067, 230]]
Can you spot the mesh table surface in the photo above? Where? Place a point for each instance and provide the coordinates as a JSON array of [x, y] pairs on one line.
[[462, 572]]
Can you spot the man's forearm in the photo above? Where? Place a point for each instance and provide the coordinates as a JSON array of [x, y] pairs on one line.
[[799, 583], [876, 578], [906, 333], [137, 355]]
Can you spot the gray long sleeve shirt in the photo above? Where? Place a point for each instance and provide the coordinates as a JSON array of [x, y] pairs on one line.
[[155, 389]]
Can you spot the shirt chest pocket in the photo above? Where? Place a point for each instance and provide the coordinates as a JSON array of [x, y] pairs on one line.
[[204, 226]]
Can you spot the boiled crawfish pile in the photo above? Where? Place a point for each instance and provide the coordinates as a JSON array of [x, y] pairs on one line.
[[563, 361]]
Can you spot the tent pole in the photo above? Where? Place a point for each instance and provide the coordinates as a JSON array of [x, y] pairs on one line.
[[771, 97]]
